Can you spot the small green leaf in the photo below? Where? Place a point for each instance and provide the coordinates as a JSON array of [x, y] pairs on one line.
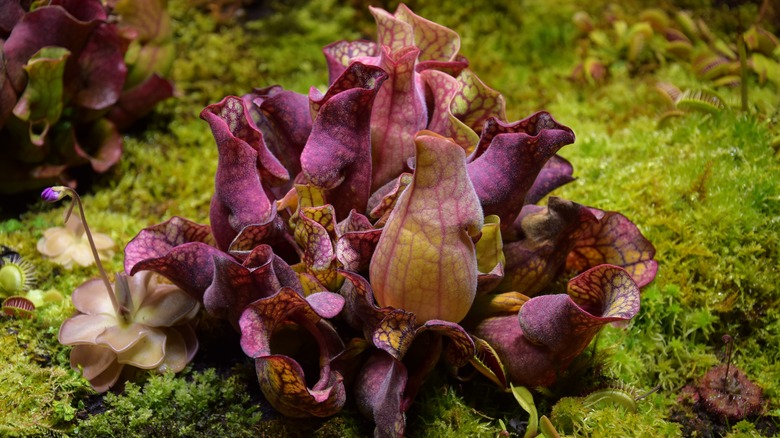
[[41, 103], [526, 401], [547, 428]]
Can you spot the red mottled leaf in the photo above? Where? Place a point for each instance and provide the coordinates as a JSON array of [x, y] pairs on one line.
[[314, 232], [273, 233], [503, 171], [281, 378], [615, 240], [475, 102], [179, 249], [395, 332], [460, 348], [355, 248], [337, 156], [550, 330], [352, 223], [546, 237], [341, 53], [405, 28], [361, 311], [357, 239], [326, 304], [236, 285], [566, 323], [382, 201], [443, 89]]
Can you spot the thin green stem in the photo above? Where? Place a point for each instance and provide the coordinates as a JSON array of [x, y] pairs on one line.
[[77, 200]]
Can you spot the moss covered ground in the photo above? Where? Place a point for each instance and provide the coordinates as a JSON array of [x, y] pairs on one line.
[[704, 188]]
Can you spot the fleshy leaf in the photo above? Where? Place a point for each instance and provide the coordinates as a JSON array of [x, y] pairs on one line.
[[504, 171], [475, 102], [494, 304], [281, 377], [314, 233], [490, 255], [361, 312], [337, 156], [382, 201], [357, 239], [236, 285], [548, 234], [555, 173], [136, 102], [72, 34], [443, 89], [179, 249], [42, 100], [425, 261], [341, 53], [550, 330], [460, 348], [395, 333], [487, 362], [399, 112], [100, 144], [245, 165], [379, 392], [102, 69], [284, 119], [354, 249], [526, 401], [614, 240], [354, 222], [148, 22], [405, 28], [566, 323]]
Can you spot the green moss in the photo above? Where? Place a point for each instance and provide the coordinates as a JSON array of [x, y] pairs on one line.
[[440, 410], [38, 386], [203, 405], [573, 417]]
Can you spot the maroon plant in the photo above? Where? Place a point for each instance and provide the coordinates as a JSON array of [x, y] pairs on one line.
[[70, 79], [396, 210]]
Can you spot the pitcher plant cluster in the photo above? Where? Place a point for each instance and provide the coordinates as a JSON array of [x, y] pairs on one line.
[[359, 235], [73, 74]]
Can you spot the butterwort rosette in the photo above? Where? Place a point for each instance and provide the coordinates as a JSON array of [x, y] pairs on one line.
[[361, 233]]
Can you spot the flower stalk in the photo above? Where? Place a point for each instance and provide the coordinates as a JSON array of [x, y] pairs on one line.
[[56, 193]]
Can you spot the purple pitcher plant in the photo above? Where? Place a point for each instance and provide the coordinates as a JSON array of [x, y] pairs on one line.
[[72, 75], [360, 234]]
